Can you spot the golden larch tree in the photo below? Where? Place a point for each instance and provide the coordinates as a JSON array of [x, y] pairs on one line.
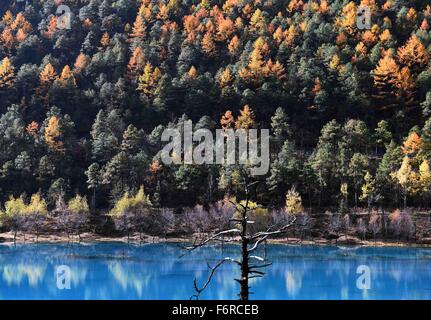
[[81, 63], [425, 25], [227, 120], [46, 78], [257, 68], [385, 36], [407, 178], [7, 73], [386, 74], [7, 39], [405, 85], [425, 176], [293, 202], [67, 79], [278, 35], [413, 53], [21, 22], [136, 64], [226, 78], [139, 27], [347, 21], [7, 18], [257, 21], [277, 70], [53, 135], [192, 73], [52, 27], [147, 82], [20, 35], [32, 128], [290, 35], [412, 145], [208, 44], [233, 46], [48, 75], [246, 119], [104, 42], [225, 27]]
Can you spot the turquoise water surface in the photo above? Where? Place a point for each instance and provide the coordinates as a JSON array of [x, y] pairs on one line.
[[156, 271]]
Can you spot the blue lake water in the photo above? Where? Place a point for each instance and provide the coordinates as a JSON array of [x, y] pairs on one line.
[[156, 271]]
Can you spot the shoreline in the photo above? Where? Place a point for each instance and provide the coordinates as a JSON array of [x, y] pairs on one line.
[[6, 238]]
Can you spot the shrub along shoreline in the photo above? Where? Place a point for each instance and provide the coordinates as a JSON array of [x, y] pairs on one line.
[[134, 219], [7, 238]]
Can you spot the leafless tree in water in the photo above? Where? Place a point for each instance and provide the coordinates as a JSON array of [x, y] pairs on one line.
[[250, 264]]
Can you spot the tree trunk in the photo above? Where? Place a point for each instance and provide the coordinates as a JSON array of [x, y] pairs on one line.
[[93, 199], [356, 198], [244, 293], [405, 200], [244, 272]]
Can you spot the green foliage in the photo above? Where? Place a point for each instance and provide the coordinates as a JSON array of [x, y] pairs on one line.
[[128, 204], [14, 207], [82, 111], [79, 205], [37, 205]]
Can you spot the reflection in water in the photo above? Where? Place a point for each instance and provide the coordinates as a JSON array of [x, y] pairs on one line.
[[293, 282], [156, 271], [16, 274]]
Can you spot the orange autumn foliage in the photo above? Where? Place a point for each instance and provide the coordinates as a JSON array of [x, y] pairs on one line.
[[227, 120], [412, 145], [413, 53], [53, 135]]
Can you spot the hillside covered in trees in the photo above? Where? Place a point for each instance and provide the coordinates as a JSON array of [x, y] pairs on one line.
[[83, 108]]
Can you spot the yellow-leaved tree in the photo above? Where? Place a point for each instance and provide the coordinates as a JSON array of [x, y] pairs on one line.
[[347, 20], [407, 178], [67, 79], [129, 204], [246, 119], [226, 78], [413, 53], [53, 135], [7, 73], [132, 213], [386, 75], [293, 202], [81, 63], [412, 145], [46, 78], [136, 64], [368, 190], [425, 180], [147, 82]]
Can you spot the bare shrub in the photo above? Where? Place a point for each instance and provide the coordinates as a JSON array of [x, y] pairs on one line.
[[374, 225], [361, 228]]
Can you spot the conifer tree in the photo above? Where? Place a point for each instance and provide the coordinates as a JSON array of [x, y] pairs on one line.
[[413, 53], [53, 135], [246, 119], [7, 73]]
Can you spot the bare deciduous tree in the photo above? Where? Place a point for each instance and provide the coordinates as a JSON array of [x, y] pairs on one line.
[[250, 264]]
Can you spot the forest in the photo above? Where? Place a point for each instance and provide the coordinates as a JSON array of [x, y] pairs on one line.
[[84, 101]]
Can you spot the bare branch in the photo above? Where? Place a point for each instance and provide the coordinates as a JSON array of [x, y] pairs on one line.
[[215, 237], [207, 282]]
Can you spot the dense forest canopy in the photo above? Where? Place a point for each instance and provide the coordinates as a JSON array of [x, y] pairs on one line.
[[82, 108]]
